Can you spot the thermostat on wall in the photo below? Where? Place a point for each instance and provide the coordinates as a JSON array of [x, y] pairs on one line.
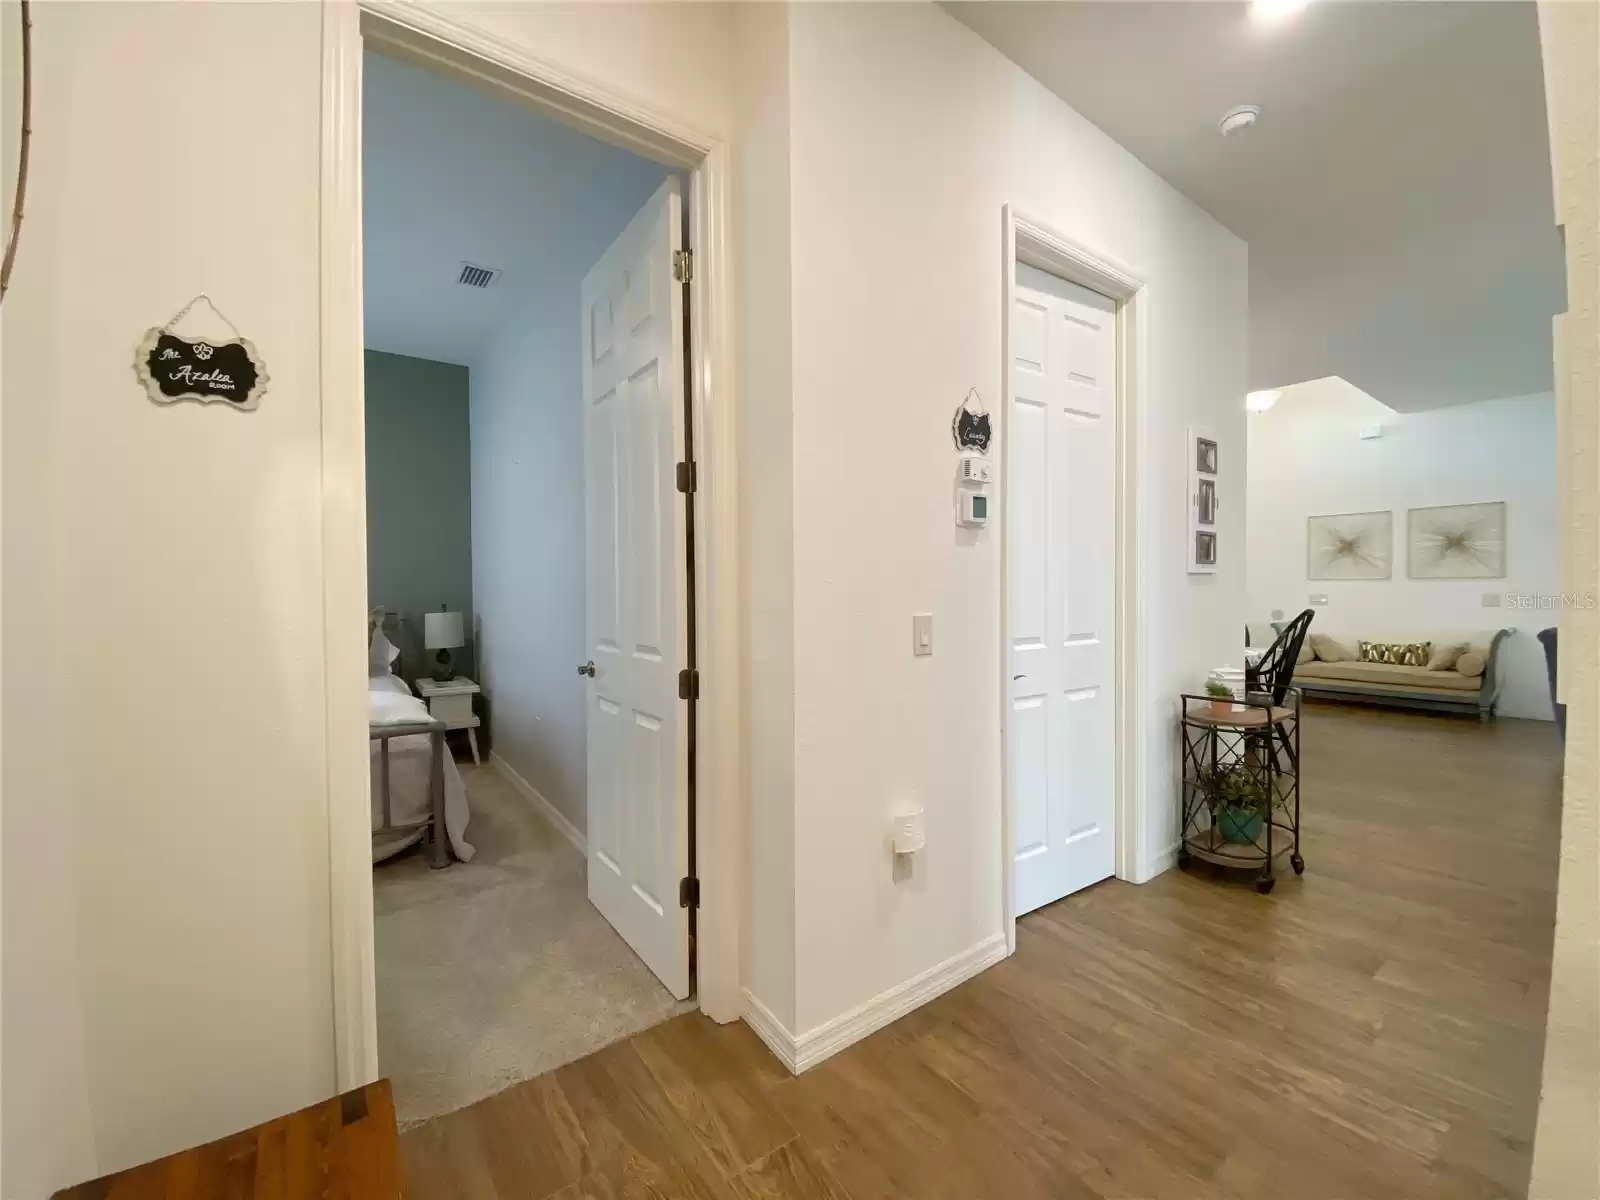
[[975, 469], [974, 508]]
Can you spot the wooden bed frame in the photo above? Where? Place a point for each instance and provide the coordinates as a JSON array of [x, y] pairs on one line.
[[433, 823]]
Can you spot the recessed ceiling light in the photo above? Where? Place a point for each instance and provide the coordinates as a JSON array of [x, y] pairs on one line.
[[1237, 120], [1275, 10], [1261, 401]]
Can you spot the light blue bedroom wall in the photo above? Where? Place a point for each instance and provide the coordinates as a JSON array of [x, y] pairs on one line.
[[419, 495], [528, 514]]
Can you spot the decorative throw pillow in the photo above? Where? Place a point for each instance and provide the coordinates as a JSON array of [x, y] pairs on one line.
[[381, 653], [1397, 654], [1444, 657], [1471, 663], [1329, 650], [1307, 654]]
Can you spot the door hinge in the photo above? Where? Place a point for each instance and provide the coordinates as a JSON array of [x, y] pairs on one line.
[[688, 477], [688, 892], [688, 684], [683, 265]]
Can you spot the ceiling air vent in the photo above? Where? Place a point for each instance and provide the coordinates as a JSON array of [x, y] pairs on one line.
[[478, 277]]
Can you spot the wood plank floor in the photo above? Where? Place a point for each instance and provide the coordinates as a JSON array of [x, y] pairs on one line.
[[1372, 1030]]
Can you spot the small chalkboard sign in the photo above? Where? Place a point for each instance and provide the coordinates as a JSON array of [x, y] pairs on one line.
[[971, 428], [172, 367]]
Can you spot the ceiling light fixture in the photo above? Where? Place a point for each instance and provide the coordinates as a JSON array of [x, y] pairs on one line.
[[1275, 10], [1237, 120], [1261, 401]]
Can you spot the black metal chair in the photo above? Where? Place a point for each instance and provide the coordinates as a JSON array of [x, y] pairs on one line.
[[1272, 676], [1547, 639], [1274, 672]]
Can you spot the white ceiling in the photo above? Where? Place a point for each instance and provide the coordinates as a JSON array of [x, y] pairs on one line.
[[1395, 194], [452, 173]]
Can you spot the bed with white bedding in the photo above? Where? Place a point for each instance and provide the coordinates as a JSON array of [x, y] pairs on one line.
[[407, 746]]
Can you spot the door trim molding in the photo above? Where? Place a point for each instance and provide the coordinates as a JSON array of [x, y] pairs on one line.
[[431, 34], [1026, 239], [344, 554]]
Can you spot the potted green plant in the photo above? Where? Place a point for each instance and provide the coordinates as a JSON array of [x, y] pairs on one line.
[[1221, 697], [1238, 799]]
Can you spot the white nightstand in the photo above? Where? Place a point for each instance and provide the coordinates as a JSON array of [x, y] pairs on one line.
[[452, 703]]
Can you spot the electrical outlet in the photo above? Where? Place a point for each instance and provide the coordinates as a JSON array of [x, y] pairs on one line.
[[921, 634]]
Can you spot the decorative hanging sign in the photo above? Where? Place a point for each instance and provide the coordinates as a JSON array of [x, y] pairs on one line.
[[173, 367], [971, 425]]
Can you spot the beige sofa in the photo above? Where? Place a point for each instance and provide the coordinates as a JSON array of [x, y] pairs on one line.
[[1329, 667]]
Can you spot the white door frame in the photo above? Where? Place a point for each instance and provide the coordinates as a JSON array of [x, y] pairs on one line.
[[433, 35], [1029, 240]]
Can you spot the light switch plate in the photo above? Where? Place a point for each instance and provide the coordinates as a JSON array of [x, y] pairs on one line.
[[921, 634], [1491, 600]]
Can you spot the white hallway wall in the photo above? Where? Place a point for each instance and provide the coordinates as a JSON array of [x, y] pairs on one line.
[[208, 971], [167, 942], [1306, 458], [1566, 1158], [768, 495], [44, 1087], [527, 503], [166, 785], [908, 134]]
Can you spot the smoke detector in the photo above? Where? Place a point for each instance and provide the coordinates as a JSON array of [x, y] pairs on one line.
[[1237, 120], [475, 276]]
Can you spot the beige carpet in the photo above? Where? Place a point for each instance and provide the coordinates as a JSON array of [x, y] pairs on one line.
[[493, 971]]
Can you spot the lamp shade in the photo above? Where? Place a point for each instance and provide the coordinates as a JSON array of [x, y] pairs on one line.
[[442, 631]]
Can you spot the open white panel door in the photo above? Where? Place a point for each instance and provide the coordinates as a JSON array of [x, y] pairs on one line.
[[1062, 587], [633, 434]]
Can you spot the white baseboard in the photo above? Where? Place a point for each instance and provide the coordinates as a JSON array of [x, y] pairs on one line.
[[812, 1047], [547, 810], [1163, 861], [770, 1030]]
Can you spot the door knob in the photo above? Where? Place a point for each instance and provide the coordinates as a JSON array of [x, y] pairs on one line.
[[587, 669]]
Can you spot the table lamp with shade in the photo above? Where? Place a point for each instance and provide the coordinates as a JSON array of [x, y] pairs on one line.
[[444, 632]]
